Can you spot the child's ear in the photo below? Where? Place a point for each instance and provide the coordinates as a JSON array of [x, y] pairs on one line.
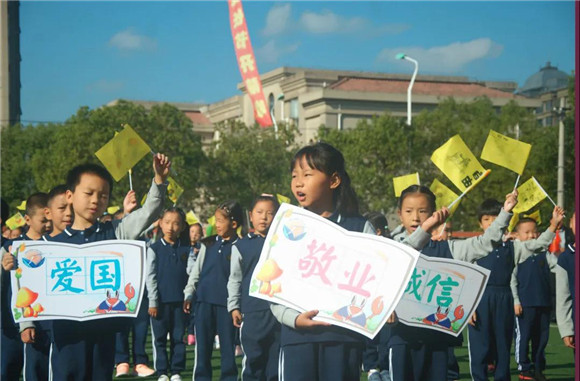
[[335, 180], [68, 194], [235, 224], [27, 219]]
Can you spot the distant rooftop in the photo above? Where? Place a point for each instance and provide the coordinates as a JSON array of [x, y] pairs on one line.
[[548, 79]]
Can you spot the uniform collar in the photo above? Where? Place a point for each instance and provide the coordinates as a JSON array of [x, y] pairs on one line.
[[95, 228], [335, 217], [165, 243], [572, 247]]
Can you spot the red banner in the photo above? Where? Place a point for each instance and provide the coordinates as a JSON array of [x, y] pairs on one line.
[[247, 63]]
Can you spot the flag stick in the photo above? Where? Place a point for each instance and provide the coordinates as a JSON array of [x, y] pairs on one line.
[[130, 180], [517, 181], [487, 172], [443, 229], [543, 190]]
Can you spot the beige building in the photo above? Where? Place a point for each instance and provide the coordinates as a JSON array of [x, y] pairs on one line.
[[309, 98]]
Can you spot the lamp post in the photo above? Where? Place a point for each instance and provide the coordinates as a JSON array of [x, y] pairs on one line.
[[403, 56]]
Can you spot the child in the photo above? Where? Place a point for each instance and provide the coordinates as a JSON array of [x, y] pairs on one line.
[[310, 349], [139, 327], [494, 317], [86, 350], [166, 279], [36, 336], [208, 280], [259, 330], [566, 291], [195, 236], [417, 353], [11, 348], [375, 353], [532, 304]]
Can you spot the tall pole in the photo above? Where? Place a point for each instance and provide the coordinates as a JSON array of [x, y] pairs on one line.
[[560, 192], [402, 56]]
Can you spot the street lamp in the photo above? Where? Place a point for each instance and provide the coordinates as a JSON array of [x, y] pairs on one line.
[[403, 56]]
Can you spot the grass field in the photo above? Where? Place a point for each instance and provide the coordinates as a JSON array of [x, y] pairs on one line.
[[560, 361]]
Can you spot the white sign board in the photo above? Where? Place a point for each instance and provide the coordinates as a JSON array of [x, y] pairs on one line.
[[77, 282], [308, 262], [442, 294]]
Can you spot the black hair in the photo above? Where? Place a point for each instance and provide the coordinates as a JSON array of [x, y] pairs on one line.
[[184, 234], [36, 201], [421, 189], [523, 220], [489, 207], [56, 191], [379, 222], [327, 159], [4, 210], [266, 197], [73, 178], [233, 211]]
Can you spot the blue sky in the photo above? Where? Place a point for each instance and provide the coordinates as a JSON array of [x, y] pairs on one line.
[[88, 53]]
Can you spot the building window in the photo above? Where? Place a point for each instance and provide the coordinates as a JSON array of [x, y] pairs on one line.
[[548, 121], [294, 108], [272, 103]]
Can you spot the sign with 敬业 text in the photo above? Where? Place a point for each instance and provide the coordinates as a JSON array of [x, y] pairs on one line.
[[353, 279], [77, 282]]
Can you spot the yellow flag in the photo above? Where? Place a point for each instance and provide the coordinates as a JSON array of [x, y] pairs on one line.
[[516, 218], [113, 209], [22, 205], [191, 218], [281, 199], [505, 151], [444, 196], [122, 152], [210, 230], [400, 183], [15, 221], [143, 199], [458, 163], [530, 194], [174, 190]]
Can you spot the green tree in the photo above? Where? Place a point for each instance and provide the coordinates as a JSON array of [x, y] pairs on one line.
[[245, 162]]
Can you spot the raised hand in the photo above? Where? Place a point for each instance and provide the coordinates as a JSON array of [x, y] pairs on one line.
[[130, 202], [161, 167], [436, 219], [511, 200]]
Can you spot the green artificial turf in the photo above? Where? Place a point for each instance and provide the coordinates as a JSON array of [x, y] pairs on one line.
[[559, 359]]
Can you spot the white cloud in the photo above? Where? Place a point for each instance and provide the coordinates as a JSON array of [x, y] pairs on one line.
[[129, 40], [272, 51], [327, 22], [105, 86], [448, 58], [277, 19]]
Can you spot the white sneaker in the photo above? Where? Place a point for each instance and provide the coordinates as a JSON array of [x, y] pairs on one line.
[[176, 377], [163, 377]]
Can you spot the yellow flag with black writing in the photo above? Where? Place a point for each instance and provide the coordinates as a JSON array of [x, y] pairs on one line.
[[444, 196], [505, 151], [530, 194], [400, 183], [122, 152], [174, 190], [458, 163], [15, 221]]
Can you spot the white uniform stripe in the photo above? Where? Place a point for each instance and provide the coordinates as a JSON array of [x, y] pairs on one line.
[[196, 345], [244, 359], [50, 377], [518, 342], [153, 343], [469, 353], [391, 363], [24, 363]]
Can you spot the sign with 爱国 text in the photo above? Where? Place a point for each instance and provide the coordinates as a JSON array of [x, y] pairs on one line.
[[77, 282]]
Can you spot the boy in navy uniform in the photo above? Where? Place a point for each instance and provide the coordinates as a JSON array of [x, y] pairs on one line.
[[494, 317], [532, 304], [86, 350], [36, 343], [36, 336], [12, 351], [566, 291]]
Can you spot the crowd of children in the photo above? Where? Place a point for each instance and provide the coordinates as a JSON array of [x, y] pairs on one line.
[[197, 288]]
